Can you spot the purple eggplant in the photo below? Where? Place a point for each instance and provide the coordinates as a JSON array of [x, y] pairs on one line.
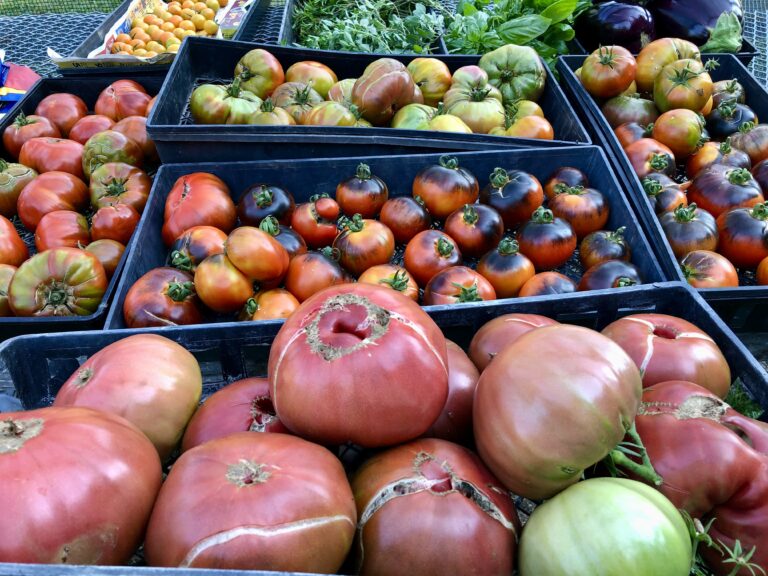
[[691, 20], [612, 23]]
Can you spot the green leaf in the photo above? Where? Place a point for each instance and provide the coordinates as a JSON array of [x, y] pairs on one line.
[[523, 29], [559, 11], [558, 33], [725, 36]]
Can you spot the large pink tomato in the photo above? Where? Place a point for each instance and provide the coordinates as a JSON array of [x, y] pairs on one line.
[[359, 363]]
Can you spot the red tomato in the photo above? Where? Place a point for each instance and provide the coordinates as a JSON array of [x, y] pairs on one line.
[[13, 251], [548, 241], [608, 71], [406, 217], [445, 187], [63, 110], [428, 253], [603, 245], [162, 297], [62, 228], [109, 253], [311, 272], [506, 268], [515, 194], [457, 284], [122, 99], [195, 245], [115, 380], [362, 194], [220, 285], [400, 379], [115, 222], [502, 331], [197, 199], [315, 221], [257, 255], [25, 128], [88, 126], [545, 283], [721, 188], [364, 243], [610, 274], [648, 156], [115, 182], [705, 269], [743, 235], [94, 462], [477, 228], [53, 154], [271, 304], [585, 209], [6, 275], [48, 192], [150, 105], [393, 276], [135, 127], [562, 178], [631, 132]]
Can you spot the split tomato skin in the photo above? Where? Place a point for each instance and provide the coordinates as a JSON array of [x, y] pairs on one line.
[[13, 179]]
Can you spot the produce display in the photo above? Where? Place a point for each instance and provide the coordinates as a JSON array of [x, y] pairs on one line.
[[443, 447], [74, 186], [698, 150], [458, 237], [497, 96]]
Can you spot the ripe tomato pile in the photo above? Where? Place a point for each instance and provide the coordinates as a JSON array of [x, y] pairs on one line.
[[690, 127], [445, 439], [444, 244], [75, 182]]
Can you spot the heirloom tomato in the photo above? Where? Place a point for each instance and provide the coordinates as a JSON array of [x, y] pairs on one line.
[[13, 251], [516, 71], [88, 126], [502, 331], [48, 192], [752, 139], [382, 89], [315, 220], [53, 155], [314, 74], [716, 153], [585, 209], [656, 55], [364, 193], [457, 284], [262, 200], [514, 194], [220, 285], [162, 297], [392, 276], [720, 188], [260, 72], [648, 156], [545, 283], [546, 240], [311, 272], [603, 245], [6, 275], [195, 245], [506, 268], [743, 234], [121, 99], [663, 193], [269, 305], [257, 255], [297, 99], [115, 182], [62, 228], [689, 228], [13, 179], [406, 217], [109, 253], [608, 71], [680, 130], [63, 110], [629, 108], [114, 222], [214, 104], [433, 78], [707, 269], [135, 127], [363, 243], [477, 228], [610, 274], [25, 128], [562, 178], [110, 146], [682, 84], [428, 253], [445, 187]]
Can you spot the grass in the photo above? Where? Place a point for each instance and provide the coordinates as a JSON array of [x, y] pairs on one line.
[[26, 7]]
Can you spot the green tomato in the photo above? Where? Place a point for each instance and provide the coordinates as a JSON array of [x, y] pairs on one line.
[[480, 108], [413, 117], [110, 146], [212, 104], [515, 70], [606, 527]]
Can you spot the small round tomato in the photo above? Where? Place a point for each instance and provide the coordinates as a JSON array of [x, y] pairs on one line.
[[506, 268], [406, 217], [220, 285], [257, 255], [162, 297], [362, 194], [477, 228], [393, 276], [548, 241], [428, 253], [58, 282], [13, 179], [195, 245], [689, 228], [118, 182], [262, 200], [514, 194], [445, 187], [727, 118], [610, 274], [707, 269], [680, 131], [762, 273], [62, 228], [682, 84], [292, 242], [744, 235], [562, 178], [457, 284], [89, 126], [608, 71], [494, 336], [631, 132], [13, 251], [628, 108], [721, 188], [110, 146], [269, 305], [6, 275], [315, 221], [314, 271], [63, 110], [716, 153], [114, 222], [109, 253], [48, 192], [135, 127], [752, 139], [53, 154], [603, 245], [647, 156], [545, 283], [663, 193], [585, 209], [25, 128], [364, 243]]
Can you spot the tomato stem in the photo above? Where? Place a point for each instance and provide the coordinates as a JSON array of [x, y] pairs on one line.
[[181, 261], [444, 247], [760, 211], [467, 293], [268, 105], [470, 215], [652, 187], [233, 90], [354, 224], [270, 225], [333, 254], [746, 127], [508, 247], [659, 161], [22, 120], [363, 171], [624, 281], [644, 470], [617, 235], [251, 306], [180, 291], [725, 147], [727, 109], [399, 281], [739, 176], [499, 178], [685, 213], [542, 216], [3, 165], [479, 94], [115, 187], [265, 196], [570, 190], [450, 162]]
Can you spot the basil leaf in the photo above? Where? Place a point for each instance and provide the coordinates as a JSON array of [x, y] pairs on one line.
[[523, 29], [559, 11]]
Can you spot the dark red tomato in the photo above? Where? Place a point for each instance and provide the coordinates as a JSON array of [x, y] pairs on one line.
[[63, 110], [194, 246], [269, 305], [48, 192], [62, 228], [716, 153], [198, 199], [25, 128], [744, 235], [506, 268], [545, 283], [392, 276], [109, 253], [494, 336], [663, 193], [292, 242], [135, 127], [53, 154], [631, 107], [315, 221], [689, 228], [760, 174], [162, 297], [262, 200], [122, 99], [13, 179], [314, 271], [457, 284], [721, 188], [610, 274], [118, 182], [89, 125], [751, 139], [477, 228], [445, 187], [631, 132], [706, 269], [608, 71], [565, 177], [428, 253], [13, 251], [114, 222], [514, 194], [548, 241], [648, 156], [727, 118], [6, 275], [679, 130], [762, 273], [406, 217], [585, 209], [110, 146], [257, 255], [603, 245], [364, 243], [220, 285], [362, 194]]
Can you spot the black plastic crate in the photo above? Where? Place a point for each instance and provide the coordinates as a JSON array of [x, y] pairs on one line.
[[210, 60], [88, 89], [315, 176], [601, 131]]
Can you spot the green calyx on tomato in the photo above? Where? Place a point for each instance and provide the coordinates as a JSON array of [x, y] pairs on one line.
[[623, 282], [606, 57], [181, 261], [617, 235], [479, 94], [725, 147], [683, 76], [180, 291], [444, 247], [333, 254], [363, 171], [739, 176], [746, 127], [450, 162], [570, 190], [542, 216], [508, 247], [267, 105], [760, 211], [264, 197], [251, 306], [397, 282], [22, 120], [354, 224], [659, 162], [469, 214], [499, 178], [685, 213], [270, 225], [652, 187], [467, 293], [115, 186]]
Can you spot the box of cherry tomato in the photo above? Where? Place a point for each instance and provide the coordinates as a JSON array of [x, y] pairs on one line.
[[251, 240], [674, 154]]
